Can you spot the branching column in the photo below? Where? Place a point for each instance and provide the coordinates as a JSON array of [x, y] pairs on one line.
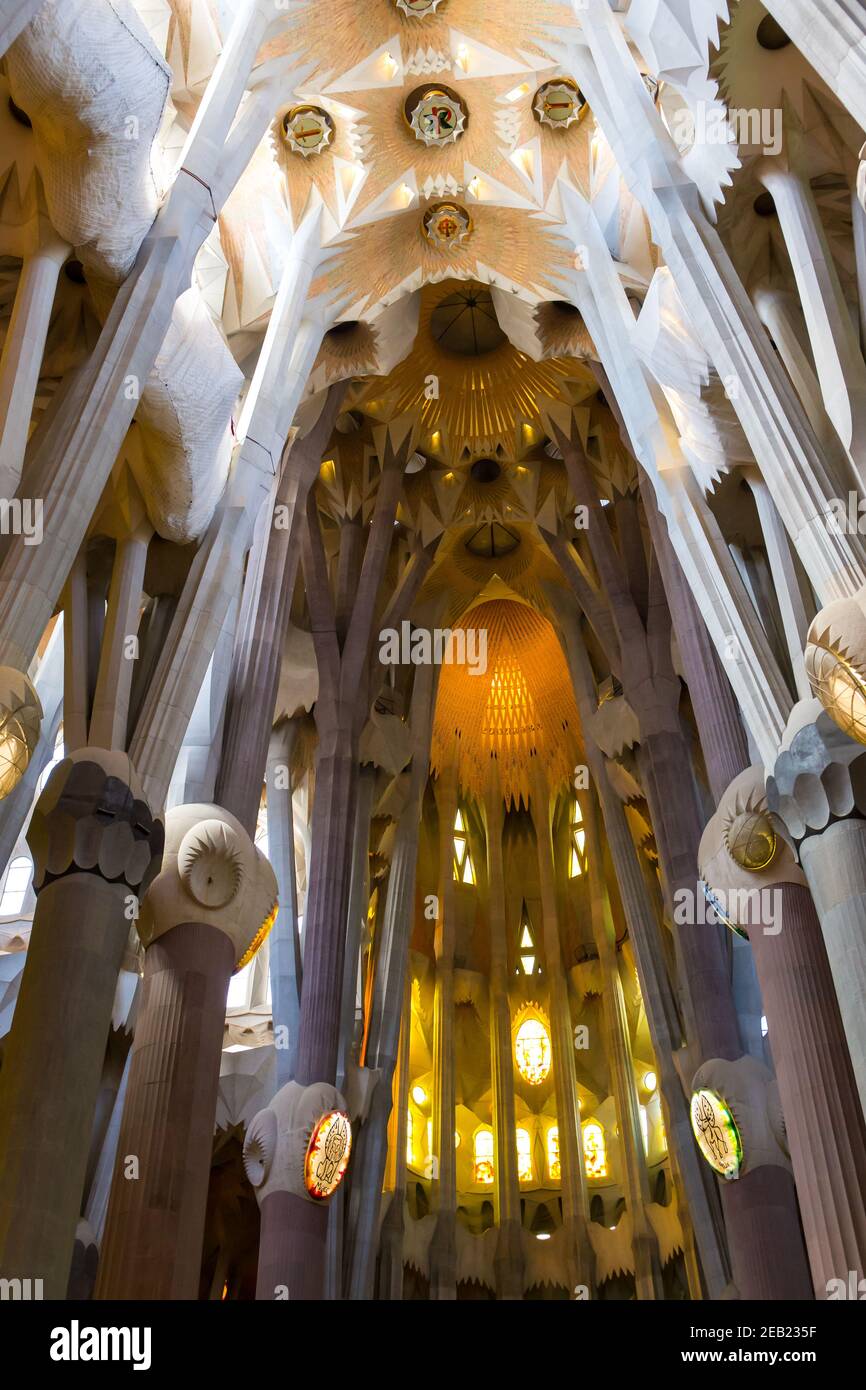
[[574, 1201], [443, 1249], [509, 1251]]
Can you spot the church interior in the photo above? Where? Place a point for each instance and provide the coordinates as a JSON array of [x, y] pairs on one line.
[[432, 587]]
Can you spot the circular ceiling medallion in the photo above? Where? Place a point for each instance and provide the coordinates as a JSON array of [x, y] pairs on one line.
[[559, 103], [437, 115], [418, 9], [716, 1131], [328, 1154], [307, 129], [492, 540], [446, 225]]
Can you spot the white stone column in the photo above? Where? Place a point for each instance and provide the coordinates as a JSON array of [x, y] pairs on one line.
[[15, 15], [23, 349], [835, 344], [782, 317], [795, 619], [831, 34]]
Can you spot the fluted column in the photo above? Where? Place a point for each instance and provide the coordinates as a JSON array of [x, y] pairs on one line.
[[574, 1202], [509, 1250], [823, 1118], [23, 350], [831, 35], [95, 846], [201, 918], [816, 788], [443, 1248]]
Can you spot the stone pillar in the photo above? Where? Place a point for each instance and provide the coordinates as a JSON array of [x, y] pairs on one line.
[[781, 315], [832, 333], [648, 1274], [23, 349], [204, 916], [15, 15], [831, 35], [95, 848], [276, 1158], [509, 1247], [574, 1203], [823, 1118], [818, 788], [443, 1247], [789, 596], [393, 1223], [285, 941]]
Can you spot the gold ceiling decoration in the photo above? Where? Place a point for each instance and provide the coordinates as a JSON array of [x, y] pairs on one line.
[[307, 130], [418, 9], [446, 225], [559, 103], [436, 115], [522, 706], [471, 404], [348, 349]]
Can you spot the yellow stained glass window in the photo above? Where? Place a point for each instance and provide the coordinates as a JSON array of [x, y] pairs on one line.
[[644, 1128], [577, 862], [526, 943], [532, 1050], [554, 1165], [594, 1150], [463, 868], [483, 1157], [524, 1156]]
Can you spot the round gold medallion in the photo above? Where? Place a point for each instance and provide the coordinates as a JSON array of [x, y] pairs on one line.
[[436, 115], [446, 225], [559, 103], [328, 1154], [307, 129]]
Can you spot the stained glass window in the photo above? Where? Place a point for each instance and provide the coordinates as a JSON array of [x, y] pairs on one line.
[[483, 1155], [532, 1050], [463, 870], [554, 1164], [524, 1156], [594, 1150], [577, 861]]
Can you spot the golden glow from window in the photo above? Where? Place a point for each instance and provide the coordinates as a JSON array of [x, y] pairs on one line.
[[463, 870], [532, 1050], [594, 1150], [524, 1156], [644, 1128], [409, 1158], [419, 1095], [554, 1163], [577, 862], [483, 1157]]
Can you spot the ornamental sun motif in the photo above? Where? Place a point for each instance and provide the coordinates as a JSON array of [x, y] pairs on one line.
[[559, 103], [307, 130], [436, 115], [418, 9], [446, 225], [716, 1132], [328, 1155]]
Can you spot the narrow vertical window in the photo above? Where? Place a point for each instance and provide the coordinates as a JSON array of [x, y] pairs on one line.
[[594, 1150], [483, 1156], [463, 870], [524, 1156], [577, 862], [554, 1164]]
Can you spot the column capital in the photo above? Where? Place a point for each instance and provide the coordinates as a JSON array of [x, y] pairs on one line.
[[819, 776], [835, 660], [92, 817], [211, 873], [749, 1091], [20, 721], [744, 848], [280, 1143]]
